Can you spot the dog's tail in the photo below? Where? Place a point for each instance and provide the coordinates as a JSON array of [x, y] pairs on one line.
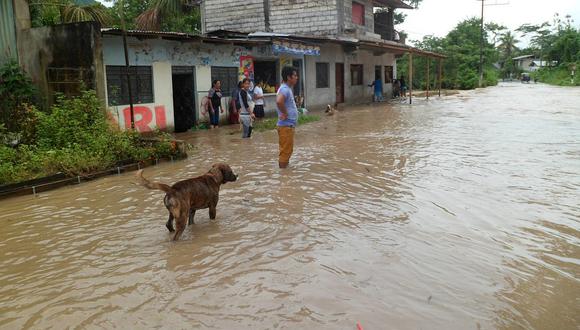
[[152, 185]]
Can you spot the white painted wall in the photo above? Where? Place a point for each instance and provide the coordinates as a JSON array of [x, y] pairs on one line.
[[332, 54]]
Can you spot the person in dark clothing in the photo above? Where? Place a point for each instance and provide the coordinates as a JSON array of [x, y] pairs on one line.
[[215, 103], [403, 87]]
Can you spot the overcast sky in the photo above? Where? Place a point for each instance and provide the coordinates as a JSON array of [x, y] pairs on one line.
[[438, 17]]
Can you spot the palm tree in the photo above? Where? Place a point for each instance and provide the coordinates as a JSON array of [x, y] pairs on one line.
[[50, 12], [508, 44], [162, 9]]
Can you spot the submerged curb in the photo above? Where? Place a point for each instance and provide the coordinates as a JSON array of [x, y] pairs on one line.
[[35, 186]]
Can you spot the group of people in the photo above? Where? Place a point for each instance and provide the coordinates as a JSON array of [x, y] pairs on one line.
[[399, 89], [245, 107]]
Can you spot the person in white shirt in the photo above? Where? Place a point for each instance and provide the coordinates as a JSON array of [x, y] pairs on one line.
[[259, 100]]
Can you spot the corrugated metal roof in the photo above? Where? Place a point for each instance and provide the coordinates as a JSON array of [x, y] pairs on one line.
[[8, 47]]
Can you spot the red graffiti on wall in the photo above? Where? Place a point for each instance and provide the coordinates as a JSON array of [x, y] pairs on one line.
[[144, 116]]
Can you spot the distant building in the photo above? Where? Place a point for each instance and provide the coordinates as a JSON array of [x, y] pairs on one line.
[[531, 63]]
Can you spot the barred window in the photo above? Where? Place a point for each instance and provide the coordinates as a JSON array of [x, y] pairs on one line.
[[70, 81], [388, 74], [141, 84], [356, 74], [228, 76]]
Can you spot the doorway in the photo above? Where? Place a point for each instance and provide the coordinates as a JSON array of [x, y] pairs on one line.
[[377, 72], [183, 97], [339, 79]]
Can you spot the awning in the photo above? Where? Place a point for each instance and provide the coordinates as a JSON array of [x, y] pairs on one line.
[[294, 48]]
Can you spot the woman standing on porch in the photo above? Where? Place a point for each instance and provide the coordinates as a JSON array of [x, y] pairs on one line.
[[215, 103]]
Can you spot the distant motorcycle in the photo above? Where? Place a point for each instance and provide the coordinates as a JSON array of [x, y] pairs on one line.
[[525, 78]]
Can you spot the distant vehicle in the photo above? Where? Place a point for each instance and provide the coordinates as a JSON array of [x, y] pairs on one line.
[[525, 78]]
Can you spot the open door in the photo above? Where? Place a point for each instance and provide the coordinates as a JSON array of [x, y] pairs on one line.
[[183, 97], [339, 78]]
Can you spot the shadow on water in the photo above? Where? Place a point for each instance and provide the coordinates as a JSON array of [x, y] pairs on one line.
[[453, 213]]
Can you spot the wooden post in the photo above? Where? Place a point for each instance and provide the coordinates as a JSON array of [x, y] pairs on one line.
[[440, 67], [428, 79], [410, 78]]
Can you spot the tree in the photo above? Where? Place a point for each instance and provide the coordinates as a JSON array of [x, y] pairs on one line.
[[176, 15], [495, 30], [461, 46], [52, 12]]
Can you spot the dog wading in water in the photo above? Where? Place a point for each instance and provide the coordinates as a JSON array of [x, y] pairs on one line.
[[185, 197]]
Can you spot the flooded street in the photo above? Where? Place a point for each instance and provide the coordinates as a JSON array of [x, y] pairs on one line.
[[453, 213]]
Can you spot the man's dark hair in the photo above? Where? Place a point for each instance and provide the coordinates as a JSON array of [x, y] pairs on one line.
[[288, 71]]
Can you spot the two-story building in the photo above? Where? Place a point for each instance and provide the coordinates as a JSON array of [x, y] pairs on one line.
[[356, 40]]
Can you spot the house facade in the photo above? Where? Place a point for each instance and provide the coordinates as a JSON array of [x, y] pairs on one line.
[[338, 46], [344, 67]]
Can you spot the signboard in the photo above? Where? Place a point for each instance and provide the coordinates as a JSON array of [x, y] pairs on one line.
[[294, 48], [246, 67]]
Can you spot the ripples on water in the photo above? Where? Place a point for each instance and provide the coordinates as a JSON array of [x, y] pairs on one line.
[[458, 213]]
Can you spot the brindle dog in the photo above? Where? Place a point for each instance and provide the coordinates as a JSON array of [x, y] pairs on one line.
[[187, 196]]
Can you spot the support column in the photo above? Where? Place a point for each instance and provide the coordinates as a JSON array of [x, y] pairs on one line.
[[410, 78], [428, 79], [440, 71]]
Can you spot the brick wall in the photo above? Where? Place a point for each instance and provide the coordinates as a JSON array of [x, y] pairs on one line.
[[369, 17], [306, 17], [243, 16]]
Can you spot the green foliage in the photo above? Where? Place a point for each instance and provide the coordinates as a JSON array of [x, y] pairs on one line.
[[17, 115], [560, 75], [75, 137], [461, 67], [170, 15], [270, 123], [52, 12]]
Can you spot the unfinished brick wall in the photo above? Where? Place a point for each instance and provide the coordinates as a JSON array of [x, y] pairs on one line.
[[243, 16], [305, 17]]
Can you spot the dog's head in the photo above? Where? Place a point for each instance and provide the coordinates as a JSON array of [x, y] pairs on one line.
[[223, 172]]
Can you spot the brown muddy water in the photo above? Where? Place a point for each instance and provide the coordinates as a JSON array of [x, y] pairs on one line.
[[456, 213]]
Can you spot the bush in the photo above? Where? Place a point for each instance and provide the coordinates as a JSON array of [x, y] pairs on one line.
[[17, 115], [75, 138]]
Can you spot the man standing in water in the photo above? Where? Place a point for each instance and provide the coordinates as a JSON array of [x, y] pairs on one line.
[[287, 115]]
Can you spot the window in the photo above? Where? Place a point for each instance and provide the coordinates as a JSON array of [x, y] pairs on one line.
[[266, 72], [322, 75], [358, 13], [356, 74], [228, 76], [141, 84], [69, 81], [388, 74]]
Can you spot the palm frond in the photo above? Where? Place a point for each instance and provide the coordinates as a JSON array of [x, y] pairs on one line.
[[149, 20], [95, 13]]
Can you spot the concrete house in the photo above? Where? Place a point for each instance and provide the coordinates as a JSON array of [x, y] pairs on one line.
[[356, 40]]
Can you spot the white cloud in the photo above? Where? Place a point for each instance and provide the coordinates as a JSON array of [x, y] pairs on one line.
[[438, 17]]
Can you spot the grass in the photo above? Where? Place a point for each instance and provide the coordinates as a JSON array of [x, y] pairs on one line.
[[559, 76], [270, 123]]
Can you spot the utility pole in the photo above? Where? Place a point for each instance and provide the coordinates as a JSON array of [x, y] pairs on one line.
[[127, 67], [481, 47], [481, 38]]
